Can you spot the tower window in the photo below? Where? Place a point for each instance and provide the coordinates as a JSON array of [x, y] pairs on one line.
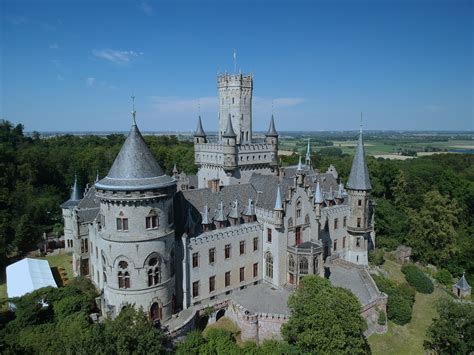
[[151, 220], [122, 223], [232, 100], [343, 242], [123, 275], [335, 245], [269, 235], [303, 266], [358, 242], [359, 202], [255, 243], [336, 223], [247, 135], [154, 271], [344, 221], [358, 222]]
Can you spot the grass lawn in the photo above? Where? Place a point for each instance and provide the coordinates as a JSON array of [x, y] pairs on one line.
[[407, 339], [60, 261]]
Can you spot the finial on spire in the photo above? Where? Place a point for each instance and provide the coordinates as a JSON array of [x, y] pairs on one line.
[[133, 111], [199, 107], [360, 129]]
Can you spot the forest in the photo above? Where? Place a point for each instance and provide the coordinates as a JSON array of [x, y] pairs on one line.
[[426, 203]]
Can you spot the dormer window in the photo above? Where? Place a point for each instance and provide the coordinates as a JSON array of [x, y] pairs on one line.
[[122, 223], [151, 221]]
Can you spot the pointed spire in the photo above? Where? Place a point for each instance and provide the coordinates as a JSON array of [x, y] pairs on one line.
[[318, 196], [462, 283], [278, 204], [308, 154], [250, 210], [340, 191], [359, 177], [75, 194], [134, 113], [205, 215], [175, 169], [234, 212], [229, 131], [299, 168], [97, 176], [220, 215], [271, 129], [199, 130]]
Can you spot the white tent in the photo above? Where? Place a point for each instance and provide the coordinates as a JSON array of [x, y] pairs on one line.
[[28, 275]]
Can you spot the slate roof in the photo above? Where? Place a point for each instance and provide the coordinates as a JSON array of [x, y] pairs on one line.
[[89, 207], [229, 131], [267, 185], [271, 129], [462, 284], [359, 176], [135, 167], [75, 196], [199, 130]]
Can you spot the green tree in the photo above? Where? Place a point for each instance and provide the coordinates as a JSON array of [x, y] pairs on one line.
[[453, 331], [325, 319], [432, 234]]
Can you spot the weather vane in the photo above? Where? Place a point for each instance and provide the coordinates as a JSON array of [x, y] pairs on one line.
[[133, 110]]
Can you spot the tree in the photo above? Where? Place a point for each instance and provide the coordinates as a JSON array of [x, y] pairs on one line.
[[432, 234], [453, 331], [325, 319]]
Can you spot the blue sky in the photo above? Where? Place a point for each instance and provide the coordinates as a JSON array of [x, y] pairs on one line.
[[73, 65]]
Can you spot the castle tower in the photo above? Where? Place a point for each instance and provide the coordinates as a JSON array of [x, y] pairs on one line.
[[235, 99], [199, 135], [271, 138], [359, 224], [133, 236], [72, 242], [229, 146]]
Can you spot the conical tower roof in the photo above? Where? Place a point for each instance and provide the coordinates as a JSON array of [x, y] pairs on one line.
[[318, 196], [229, 131], [205, 215], [234, 212], [462, 284], [75, 196], [359, 176], [250, 210], [135, 167], [199, 130], [278, 204], [271, 129], [220, 215]]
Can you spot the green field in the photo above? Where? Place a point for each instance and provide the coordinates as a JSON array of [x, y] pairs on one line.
[[407, 339]]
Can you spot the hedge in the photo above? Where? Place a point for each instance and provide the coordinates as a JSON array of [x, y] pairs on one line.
[[416, 278], [444, 277]]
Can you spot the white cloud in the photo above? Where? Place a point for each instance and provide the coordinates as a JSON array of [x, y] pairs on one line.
[[53, 46], [90, 82], [116, 56], [146, 8]]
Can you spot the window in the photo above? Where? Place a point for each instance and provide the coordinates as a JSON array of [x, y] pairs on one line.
[[359, 202], [303, 266], [212, 255], [227, 279], [104, 276], [298, 209], [291, 263], [122, 223], [123, 275], [195, 260], [242, 247], [358, 222], [316, 266], [227, 251], [344, 221], [242, 274], [151, 220], [255, 243], [343, 242], [269, 235], [154, 271], [269, 265], [336, 223], [195, 288], [212, 284], [334, 245], [96, 252], [255, 270], [298, 236], [232, 100], [358, 242]]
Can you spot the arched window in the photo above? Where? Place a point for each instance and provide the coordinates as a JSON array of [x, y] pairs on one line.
[[269, 265], [154, 271], [123, 275], [298, 209], [156, 311], [303, 265], [316, 266], [151, 221], [122, 222], [291, 263]]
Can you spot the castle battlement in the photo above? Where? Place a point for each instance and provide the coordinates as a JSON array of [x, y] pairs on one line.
[[241, 80], [228, 232]]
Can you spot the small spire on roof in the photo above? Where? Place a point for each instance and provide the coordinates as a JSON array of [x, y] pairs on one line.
[[220, 215], [205, 215], [271, 129], [133, 111], [299, 168], [75, 194], [229, 131], [308, 153], [278, 203], [340, 191], [199, 130], [97, 176], [234, 212], [318, 196]]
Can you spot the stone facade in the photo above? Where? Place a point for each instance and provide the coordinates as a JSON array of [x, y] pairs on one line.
[[152, 240]]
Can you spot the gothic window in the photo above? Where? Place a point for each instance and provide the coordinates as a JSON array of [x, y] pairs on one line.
[[269, 265], [306, 219], [316, 266], [290, 222], [151, 221], [269, 235], [255, 244], [123, 275], [298, 236], [195, 260], [358, 222], [122, 223], [154, 271], [156, 311], [334, 246], [232, 100], [303, 266], [291, 263], [298, 209]]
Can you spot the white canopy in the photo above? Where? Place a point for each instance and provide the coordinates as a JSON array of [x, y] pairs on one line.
[[28, 275]]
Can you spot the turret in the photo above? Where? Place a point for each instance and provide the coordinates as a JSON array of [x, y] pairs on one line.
[[299, 173], [234, 215], [200, 135], [318, 200], [206, 223], [230, 149], [340, 194], [175, 171], [278, 209], [249, 213], [271, 137], [220, 220]]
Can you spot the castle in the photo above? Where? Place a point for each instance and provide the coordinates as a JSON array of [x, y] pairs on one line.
[[236, 238]]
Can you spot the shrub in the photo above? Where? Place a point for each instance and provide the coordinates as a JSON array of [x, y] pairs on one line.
[[416, 278], [444, 277], [376, 257], [382, 318]]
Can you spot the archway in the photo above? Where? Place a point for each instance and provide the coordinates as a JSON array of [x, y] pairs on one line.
[[155, 311], [220, 313]]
